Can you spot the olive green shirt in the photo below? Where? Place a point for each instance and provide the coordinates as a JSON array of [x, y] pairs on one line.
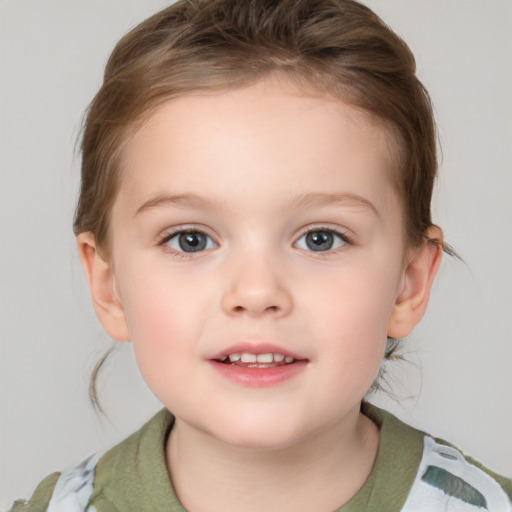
[[412, 473]]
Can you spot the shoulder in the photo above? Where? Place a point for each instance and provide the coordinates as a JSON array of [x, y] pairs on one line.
[[41, 497], [441, 476], [449, 478], [68, 491], [76, 488]]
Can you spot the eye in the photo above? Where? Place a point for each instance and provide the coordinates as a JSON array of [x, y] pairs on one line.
[[189, 241], [321, 240]]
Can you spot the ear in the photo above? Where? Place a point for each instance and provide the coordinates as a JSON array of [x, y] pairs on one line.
[[102, 285], [421, 268]]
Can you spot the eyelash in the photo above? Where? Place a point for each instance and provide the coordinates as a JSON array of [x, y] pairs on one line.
[[344, 238], [184, 255]]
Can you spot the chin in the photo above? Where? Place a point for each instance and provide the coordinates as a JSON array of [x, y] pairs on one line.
[[257, 435]]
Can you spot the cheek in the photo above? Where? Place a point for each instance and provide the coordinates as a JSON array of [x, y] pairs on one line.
[[351, 316], [358, 303], [162, 321]]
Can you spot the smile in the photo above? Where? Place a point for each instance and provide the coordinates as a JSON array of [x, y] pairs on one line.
[[248, 360], [258, 365]]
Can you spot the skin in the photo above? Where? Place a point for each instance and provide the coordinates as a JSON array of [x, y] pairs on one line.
[[256, 169]]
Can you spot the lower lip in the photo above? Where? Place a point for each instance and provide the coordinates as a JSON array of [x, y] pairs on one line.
[[259, 377]]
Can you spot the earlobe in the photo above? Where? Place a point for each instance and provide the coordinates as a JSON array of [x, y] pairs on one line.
[[419, 274], [102, 287]]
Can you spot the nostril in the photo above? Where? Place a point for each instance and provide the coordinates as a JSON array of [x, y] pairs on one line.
[[271, 309], [256, 300]]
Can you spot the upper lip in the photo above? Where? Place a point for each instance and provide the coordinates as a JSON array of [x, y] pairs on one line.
[[256, 348]]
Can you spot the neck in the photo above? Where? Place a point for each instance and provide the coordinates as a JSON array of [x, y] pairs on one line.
[[320, 473]]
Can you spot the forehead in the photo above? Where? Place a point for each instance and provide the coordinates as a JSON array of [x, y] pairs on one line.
[[290, 140]]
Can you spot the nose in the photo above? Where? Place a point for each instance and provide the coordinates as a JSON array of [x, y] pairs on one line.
[[256, 287]]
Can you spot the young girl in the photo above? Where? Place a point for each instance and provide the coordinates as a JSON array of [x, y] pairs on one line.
[[255, 218]]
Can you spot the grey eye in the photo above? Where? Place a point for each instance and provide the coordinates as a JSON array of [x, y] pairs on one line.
[[320, 240], [190, 241]]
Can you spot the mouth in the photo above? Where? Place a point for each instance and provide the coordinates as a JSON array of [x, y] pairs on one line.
[[258, 365], [262, 360]]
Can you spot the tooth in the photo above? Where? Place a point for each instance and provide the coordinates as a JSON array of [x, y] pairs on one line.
[[234, 357], [223, 358], [248, 358], [264, 358], [278, 358], [288, 359]]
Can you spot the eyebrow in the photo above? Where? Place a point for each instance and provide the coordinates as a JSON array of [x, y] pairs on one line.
[[299, 202], [180, 201], [325, 199]]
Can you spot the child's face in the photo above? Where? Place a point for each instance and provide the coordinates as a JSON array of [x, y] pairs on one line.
[[294, 247]]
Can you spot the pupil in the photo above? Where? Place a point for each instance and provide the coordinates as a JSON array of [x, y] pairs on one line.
[[192, 242], [319, 240]]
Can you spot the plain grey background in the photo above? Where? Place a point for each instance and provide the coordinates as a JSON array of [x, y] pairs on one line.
[[52, 54]]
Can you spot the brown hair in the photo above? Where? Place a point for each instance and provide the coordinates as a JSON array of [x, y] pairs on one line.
[[339, 47]]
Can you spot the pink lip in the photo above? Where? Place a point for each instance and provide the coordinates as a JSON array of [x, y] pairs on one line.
[[257, 377]]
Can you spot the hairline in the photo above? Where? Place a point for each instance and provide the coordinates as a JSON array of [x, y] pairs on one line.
[[304, 86]]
